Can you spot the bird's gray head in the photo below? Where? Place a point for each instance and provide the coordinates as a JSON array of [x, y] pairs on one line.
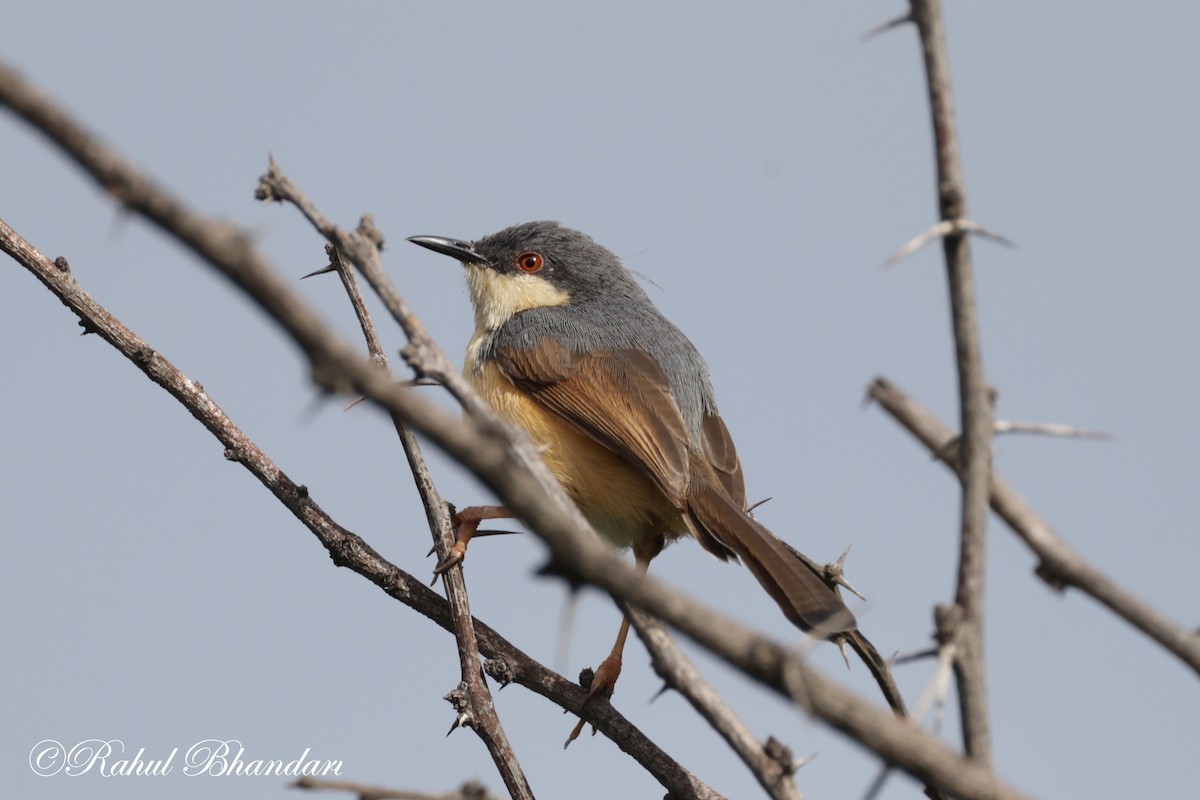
[[582, 296], [535, 265]]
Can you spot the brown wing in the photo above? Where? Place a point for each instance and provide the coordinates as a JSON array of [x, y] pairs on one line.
[[718, 446], [621, 399]]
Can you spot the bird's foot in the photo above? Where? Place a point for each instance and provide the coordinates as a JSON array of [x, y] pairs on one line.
[[604, 681], [456, 556], [466, 523]]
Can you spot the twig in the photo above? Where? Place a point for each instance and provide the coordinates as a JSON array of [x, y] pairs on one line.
[[362, 247], [974, 397], [940, 230], [508, 465], [774, 768], [1001, 427], [933, 695], [1061, 566], [891, 24], [479, 710]]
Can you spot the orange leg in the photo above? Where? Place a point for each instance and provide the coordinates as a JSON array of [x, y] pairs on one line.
[[466, 523], [604, 680]]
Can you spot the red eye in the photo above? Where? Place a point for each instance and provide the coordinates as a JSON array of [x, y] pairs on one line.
[[530, 262]]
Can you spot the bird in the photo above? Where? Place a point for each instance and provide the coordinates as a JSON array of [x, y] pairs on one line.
[[619, 402]]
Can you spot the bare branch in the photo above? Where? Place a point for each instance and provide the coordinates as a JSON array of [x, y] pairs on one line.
[[276, 186], [479, 711], [362, 248], [505, 663], [974, 396], [508, 464], [1060, 565], [773, 769], [933, 695]]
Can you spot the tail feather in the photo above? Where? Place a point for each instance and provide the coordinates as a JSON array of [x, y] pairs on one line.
[[803, 596]]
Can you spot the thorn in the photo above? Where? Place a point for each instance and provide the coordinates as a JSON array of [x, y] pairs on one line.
[[836, 574], [807, 759], [662, 690], [946, 227], [461, 720], [887, 26], [907, 658], [323, 270], [1048, 429], [353, 403], [478, 534], [1001, 427], [987, 233], [841, 643], [753, 506], [578, 729], [456, 556], [494, 532]]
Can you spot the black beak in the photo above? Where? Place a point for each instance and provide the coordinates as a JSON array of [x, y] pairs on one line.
[[463, 251]]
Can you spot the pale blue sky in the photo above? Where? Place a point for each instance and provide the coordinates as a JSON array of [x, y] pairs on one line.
[[757, 165]]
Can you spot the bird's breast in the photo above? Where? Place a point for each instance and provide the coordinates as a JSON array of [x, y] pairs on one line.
[[620, 501]]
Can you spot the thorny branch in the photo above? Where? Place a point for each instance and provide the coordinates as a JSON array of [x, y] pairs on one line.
[[1060, 565], [507, 464], [966, 630], [771, 763], [505, 663], [479, 712]]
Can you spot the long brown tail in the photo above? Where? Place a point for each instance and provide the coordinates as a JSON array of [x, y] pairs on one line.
[[880, 671], [722, 527], [802, 595]]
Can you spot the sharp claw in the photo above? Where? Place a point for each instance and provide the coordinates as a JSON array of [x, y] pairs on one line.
[[578, 729], [444, 566], [457, 553], [603, 682]]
